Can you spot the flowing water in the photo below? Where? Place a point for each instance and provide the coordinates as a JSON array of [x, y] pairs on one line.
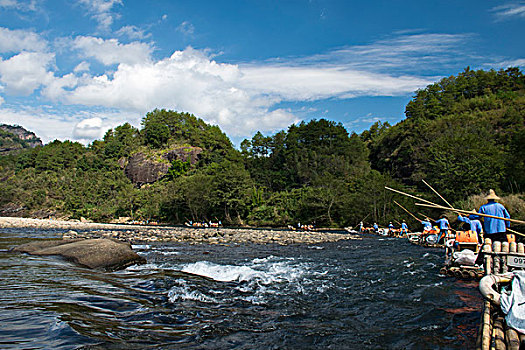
[[375, 293]]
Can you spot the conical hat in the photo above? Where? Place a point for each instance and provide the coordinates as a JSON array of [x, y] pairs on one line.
[[492, 195]]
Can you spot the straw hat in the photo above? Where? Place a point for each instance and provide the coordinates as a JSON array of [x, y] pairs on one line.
[[492, 195]]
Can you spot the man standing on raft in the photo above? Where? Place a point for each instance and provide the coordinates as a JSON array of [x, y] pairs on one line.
[[443, 227], [404, 229], [495, 229], [475, 224]]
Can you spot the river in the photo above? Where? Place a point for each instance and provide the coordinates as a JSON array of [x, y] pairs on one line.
[[374, 293]]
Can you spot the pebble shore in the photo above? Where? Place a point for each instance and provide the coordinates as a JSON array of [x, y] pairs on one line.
[[137, 234]]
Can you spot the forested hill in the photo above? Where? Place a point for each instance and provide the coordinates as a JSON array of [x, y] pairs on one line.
[[463, 135]]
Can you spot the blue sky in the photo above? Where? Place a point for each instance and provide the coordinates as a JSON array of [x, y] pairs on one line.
[[73, 69]]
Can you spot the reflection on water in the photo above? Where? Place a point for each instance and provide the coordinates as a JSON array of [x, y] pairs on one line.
[[374, 293]]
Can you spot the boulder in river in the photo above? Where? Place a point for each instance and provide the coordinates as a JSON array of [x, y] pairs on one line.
[[99, 253]]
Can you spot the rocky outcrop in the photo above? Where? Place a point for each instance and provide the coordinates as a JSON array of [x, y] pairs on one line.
[[15, 138], [184, 154], [140, 169], [105, 254]]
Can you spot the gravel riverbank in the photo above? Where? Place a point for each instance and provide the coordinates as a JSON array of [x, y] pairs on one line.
[[136, 233]]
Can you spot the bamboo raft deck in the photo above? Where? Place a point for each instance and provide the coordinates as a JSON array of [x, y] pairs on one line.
[[494, 333], [462, 272]]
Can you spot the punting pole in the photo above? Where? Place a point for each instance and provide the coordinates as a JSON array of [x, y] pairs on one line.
[[516, 232], [409, 195], [436, 192], [440, 196], [407, 211]]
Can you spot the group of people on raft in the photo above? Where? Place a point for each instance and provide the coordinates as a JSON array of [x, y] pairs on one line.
[[493, 228], [390, 231], [203, 224]]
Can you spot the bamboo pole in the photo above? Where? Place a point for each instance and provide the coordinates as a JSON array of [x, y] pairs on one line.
[[407, 211], [436, 192], [499, 334], [487, 248], [516, 232], [496, 248], [505, 249], [513, 339], [486, 333], [409, 195], [436, 206]]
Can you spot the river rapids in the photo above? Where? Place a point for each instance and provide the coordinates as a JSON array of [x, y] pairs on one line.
[[374, 293]]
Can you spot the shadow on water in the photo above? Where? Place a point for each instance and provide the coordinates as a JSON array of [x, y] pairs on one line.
[[374, 293]]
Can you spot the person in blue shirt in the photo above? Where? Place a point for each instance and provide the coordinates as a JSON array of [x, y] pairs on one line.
[[404, 228], [376, 227], [361, 226], [495, 229], [427, 225], [391, 228], [475, 224], [443, 226]]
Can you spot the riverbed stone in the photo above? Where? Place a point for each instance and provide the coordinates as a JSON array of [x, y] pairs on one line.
[[100, 253]]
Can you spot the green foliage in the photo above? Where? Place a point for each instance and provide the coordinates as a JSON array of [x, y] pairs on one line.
[[178, 168], [305, 154], [441, 98], [122, 141], [463, 135]]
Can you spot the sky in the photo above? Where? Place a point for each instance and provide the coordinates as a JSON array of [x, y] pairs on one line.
[[72, 69]]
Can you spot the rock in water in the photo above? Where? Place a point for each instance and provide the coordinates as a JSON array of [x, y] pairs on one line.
[[99, 253]]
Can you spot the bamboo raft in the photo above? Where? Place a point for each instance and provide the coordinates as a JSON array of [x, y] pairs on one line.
[[493, 331], [462, 272]]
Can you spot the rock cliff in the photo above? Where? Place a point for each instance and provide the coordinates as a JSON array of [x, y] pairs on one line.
[[15, 138], [141, 169]]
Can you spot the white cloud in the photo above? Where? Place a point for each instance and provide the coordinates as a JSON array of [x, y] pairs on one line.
[[111, 51], [46, 126], [315, 83], [57, 86], [186, 28], [23, 5], [26, 72], [88, 129], [101, 11], [510, 10], [519, 62], [132, 32], [238, 98], [402, 53], [20, 40], [50, 124], [82, 67]]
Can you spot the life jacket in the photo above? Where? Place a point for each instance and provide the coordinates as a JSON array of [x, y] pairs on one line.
[[466, 237]]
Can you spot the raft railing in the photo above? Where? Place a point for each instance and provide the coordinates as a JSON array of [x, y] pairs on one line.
[[494, 333]]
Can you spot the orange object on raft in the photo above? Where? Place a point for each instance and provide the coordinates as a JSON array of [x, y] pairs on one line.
[[466, 237]]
